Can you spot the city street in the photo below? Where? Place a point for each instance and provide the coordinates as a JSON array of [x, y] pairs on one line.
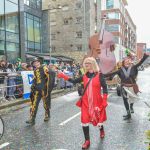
[[64, 132]]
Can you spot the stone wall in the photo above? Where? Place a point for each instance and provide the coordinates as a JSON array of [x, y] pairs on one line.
[[72, 25], [76, 55]]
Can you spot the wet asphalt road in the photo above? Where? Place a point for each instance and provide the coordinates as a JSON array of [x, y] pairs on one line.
[[57, 134]]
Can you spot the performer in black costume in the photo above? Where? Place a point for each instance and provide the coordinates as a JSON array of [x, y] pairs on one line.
[[41, 88], [129, 89]]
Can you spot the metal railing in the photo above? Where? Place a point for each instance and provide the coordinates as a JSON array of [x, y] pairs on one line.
[[11, 87]]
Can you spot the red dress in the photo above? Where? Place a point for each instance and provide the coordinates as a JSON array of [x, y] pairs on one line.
[[92, 110]]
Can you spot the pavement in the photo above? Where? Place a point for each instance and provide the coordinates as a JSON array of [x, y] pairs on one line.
[[64, 131]]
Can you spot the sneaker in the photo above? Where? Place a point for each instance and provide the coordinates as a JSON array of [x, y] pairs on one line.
[[86, 144]]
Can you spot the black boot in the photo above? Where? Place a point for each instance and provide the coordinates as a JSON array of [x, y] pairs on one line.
[[102, 132], [86, 132], [47, 116], [31, 121], [131, 108], [86, 144], [128, 116]]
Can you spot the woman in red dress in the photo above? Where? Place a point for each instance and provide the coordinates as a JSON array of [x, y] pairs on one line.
[[93, 101]]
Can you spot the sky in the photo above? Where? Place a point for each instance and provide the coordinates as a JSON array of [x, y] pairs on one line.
[[140, 14]]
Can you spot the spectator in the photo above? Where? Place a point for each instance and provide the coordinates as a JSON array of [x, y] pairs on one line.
[[11, 82], [29, 67], [3, 73]]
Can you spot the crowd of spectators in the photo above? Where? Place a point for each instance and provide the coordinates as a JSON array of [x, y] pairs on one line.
[[11, 84]]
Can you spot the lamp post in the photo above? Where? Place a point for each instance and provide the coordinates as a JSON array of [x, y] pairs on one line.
[[84, 24], [49, 26]]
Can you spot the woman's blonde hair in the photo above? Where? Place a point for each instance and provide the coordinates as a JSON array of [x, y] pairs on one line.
[[91, 60]]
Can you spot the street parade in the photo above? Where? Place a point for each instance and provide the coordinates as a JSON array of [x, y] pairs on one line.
[[74, 75]]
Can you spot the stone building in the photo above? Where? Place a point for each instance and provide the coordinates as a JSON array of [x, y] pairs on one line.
[[71, 23]]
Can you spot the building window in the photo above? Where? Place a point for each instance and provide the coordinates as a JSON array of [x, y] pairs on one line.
[[66, 21], [53, 23], [78, 20], [109, 4], [34, 3], [2, 47], [9, 29], [53, 49], [53, 36], [116, 39], [113, 15], [79, 34], [112, 27], [33, 33], [78, 5], [14, 1], [2, 19], [65, 8], [79, 47]]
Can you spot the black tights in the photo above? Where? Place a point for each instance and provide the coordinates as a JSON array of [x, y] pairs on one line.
[[125, 100], [126, 104]]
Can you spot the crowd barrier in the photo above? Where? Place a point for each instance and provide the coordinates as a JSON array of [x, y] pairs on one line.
[[17, 85]]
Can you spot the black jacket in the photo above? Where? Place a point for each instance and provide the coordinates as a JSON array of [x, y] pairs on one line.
[[133, 72], [89, 75]]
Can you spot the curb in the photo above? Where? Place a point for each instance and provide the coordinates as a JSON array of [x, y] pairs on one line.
[[22, 101]]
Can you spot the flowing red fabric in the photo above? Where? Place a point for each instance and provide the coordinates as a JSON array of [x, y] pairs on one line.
[[92, 110]]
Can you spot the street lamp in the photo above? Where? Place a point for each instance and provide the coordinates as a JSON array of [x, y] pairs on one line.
[[49, 26], [84, 25]]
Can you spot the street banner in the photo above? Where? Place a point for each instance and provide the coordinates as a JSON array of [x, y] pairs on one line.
[[27, 77]]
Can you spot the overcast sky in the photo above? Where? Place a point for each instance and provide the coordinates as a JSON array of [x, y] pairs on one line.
[[140, 14]]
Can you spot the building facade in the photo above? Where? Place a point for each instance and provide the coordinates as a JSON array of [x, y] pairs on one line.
[[21, 29], [9, 29], [71, 23], [120, 24], [141, 48]]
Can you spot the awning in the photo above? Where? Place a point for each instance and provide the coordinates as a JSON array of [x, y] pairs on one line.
[[53, 58], [65, 59], [42, 56], [48, 58]]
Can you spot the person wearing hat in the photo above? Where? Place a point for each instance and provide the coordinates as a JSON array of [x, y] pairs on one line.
[[40, 89], [129, 88], [18, 64]]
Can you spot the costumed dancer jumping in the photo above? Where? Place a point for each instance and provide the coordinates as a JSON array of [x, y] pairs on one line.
[[129, 88], [41, 88], [93, 103]]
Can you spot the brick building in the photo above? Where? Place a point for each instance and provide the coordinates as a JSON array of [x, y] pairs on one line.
[[120, 24]]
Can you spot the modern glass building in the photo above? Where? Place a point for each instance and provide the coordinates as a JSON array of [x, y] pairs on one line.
[[9, 29], [21, 29]]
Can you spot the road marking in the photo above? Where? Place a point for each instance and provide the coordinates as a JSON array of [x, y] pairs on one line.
[[71, 118], [4, 145], [59, 149]]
